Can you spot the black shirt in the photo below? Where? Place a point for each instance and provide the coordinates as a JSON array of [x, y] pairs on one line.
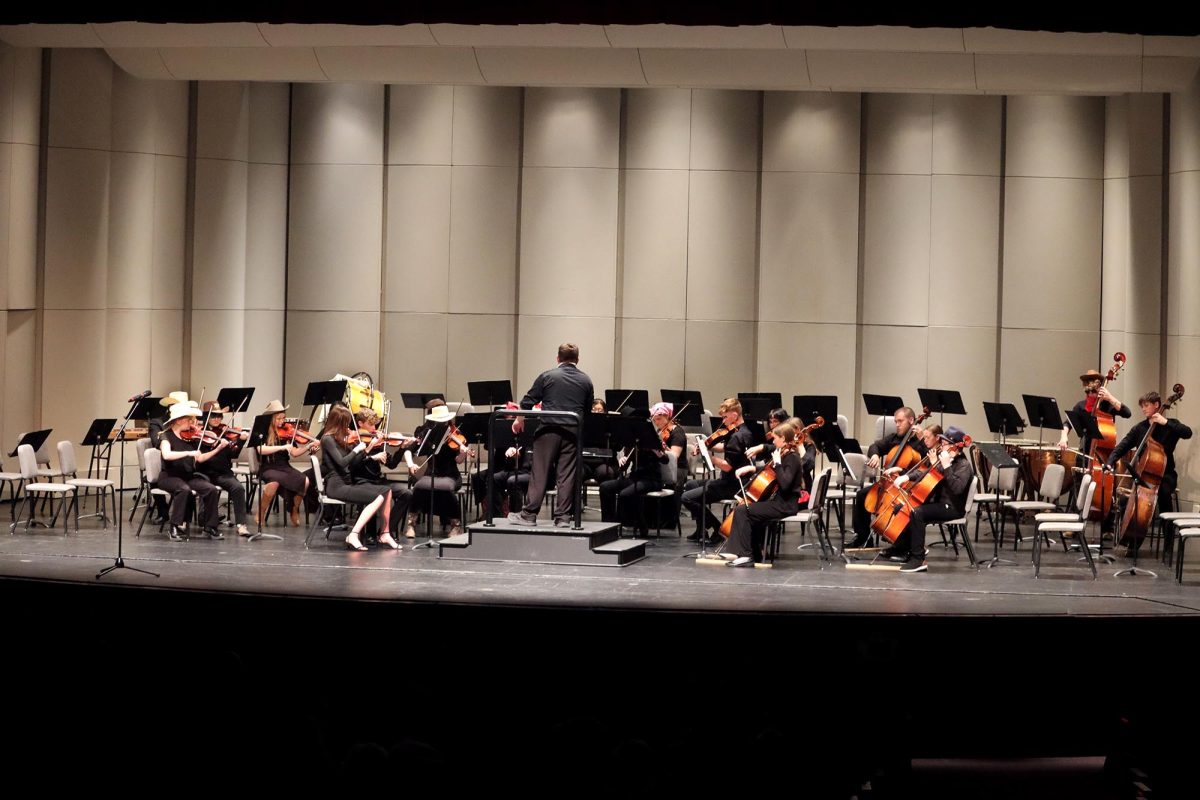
[[182, 468], [648, 461], [222, 462], [1167, 435], [954, 486], [1106, 407], [368, 470], [789, 477], [883, 446], [736, 445], [445, 463], [564, 388]]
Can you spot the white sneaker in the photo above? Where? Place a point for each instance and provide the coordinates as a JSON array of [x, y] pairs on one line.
[[741, 561]]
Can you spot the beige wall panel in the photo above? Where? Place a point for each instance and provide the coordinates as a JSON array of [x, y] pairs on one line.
[[808, 358], [964, 358], [538, 339], [26, 96], [22, 226], [882, 347], [722, 233], [418, 238], [1141, 373], [337, 123], [127, 344], [130, 229], [1133, 131], [266, 236], [725, 130], [334, 236], [321, 344], [811, 131], [809, 240], [149, 116], [170, 210], [1183, 366], [3, 327], [1055, 136], [568, 242], [419, 124], [1183, 299], [218, 342], [8, 68], [19, 358], [480, 347], [76, 228], [487, 126], [5, 204], [166, 348], [1052, 253], [414, 352], [656, 244], [223, 120], [219, 254], [964, 250], [1046, 362], [262, 358], [657, 128], [571, 127], [270, 117], [81, 99], [651, 355], [966, 135], [1185, 122], [73, 369], [1132, 284], [483, 239], [896, 249], [899, 134], [719, 359]]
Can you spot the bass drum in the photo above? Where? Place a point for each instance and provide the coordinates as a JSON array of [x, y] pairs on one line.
[[360, 394], [1034, 461]]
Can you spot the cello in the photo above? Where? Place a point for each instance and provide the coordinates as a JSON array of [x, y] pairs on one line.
[[900, 503], [1148, 464], [902, 456], [764, 485], [1101, 449]]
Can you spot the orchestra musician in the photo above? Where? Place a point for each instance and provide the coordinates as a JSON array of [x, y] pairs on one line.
[[218, 468], [728, 453], [597, 468], [511, 478], [180, 476], [877, 453], [1096, 397], [342, 452], [276, 471], [369, 470], [750, 521], [624, 493], [442, 476], [154, 431], [808, 455]]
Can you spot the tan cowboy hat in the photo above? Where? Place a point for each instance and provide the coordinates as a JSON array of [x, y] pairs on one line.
[[177, 397], [440, 414], [1091, 375], [274, 407], [181, 410], [210, 407]]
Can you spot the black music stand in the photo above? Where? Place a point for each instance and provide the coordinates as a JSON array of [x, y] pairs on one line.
[[119, 562], [997, 456], [489, 393], [325, 393], [687, 403], [1043, 413], [237, 400], [97, 437], [942, 402], [832, 443], [710, 469], [259, 432], [757, 408], [34, 439], [773, 399], [631, 402], [882, 405], [810, 406], [474, 426], [431, 444], [1003, 419], [636, 434], [1084, 424]]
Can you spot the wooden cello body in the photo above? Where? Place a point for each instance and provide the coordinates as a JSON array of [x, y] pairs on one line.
[[903, 456]]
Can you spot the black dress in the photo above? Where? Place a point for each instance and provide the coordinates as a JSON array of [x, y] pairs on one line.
[[338, 464]]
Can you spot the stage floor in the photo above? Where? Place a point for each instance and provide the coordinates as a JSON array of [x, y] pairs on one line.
[[666, 580]]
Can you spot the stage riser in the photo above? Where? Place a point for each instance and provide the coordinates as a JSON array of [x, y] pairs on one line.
[[596, 545]]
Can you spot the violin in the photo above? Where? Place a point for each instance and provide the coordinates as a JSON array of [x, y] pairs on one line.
[[717, 436], [201, 435], [388, 439], [294, 435], [455, 440], [233, 434]]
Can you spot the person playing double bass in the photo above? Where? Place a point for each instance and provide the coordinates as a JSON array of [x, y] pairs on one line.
[[877, 454], [1168, 433], [1096, 397], [750, 521], [947, 501]]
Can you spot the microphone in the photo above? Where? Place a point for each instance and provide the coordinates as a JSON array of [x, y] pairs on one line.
[[137, 397]]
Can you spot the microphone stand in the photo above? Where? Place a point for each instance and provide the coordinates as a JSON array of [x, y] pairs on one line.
[[119, 562]]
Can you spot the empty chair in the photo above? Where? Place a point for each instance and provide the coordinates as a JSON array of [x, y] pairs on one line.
[[1067, 523], [34, 488], [15, 481], [105, 489], [843, 488], [1049, 491]]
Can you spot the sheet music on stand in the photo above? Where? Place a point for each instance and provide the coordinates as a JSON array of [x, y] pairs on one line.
[[708, 464]]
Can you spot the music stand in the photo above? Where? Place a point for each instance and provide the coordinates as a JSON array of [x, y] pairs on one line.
[[97, 437], [688, 405], [119, 561], [489, 393], [997, 456], [236, 400], [34, 439], [830, 442], [882, 405], [419, 399], [1043, 413], [774, 399], [325, 393], [431, 444], [757, 408], [1003, 419], [474, 427], [709, 470], [638, 435], [630, 402], [942, 402], [810, 406]]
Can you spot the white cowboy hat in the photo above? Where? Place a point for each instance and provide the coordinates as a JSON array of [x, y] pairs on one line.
[[274, 407], [177, 397], [440, 414], [181, 410]]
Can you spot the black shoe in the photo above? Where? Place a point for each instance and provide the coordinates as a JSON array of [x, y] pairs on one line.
[[855, 545], [213, 533], [177, 534], [715, 539], [914, 564]]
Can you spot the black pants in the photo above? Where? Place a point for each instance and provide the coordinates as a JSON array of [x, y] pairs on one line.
[[507, 482], [622, 497], [913, 537], [237, 494], [444, 500], [553, 444], [695, 499], [750, 525], [860, 517], [207, 495]]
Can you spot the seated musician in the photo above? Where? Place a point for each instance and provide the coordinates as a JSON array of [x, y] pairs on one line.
[[276, 471], [180, 476], [442, 477], [808, 455], [947, 501], [620, 498], [369, 470], [511, 472], [595, 468], [1168, 433], [750, 521], [341, 456], [154, 431], [730, 443], [877, 453], [219, 467]]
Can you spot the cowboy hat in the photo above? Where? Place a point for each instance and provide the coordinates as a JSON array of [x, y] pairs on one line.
[[440, 414], [177, 397], [181, 410], [211, 407], [1091, 375], [274, 407]]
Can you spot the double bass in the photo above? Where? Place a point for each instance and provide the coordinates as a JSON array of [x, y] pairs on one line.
[[1148, 464], [1102, 448], [900, 503], [903, 456], [764, 484]]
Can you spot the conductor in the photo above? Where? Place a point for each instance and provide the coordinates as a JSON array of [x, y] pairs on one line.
[[564, 388]]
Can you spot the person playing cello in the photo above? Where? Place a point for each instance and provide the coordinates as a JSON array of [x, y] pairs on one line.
[[750, 521], [877, 453]]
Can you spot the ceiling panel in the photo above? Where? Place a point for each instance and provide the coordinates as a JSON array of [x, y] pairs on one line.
[[38, 35], [147, 34], [243, 63], [995, 40], [140, 62]]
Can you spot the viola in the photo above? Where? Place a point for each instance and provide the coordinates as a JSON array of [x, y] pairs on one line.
[[1149, 464], [902, 456]]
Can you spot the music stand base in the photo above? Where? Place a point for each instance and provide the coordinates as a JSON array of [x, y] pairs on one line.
[[996, 560], [1135, 571], [120, 564], [254, 537]]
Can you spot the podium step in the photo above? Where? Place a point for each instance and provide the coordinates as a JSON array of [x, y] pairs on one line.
[[459, 540], [594, 544]]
